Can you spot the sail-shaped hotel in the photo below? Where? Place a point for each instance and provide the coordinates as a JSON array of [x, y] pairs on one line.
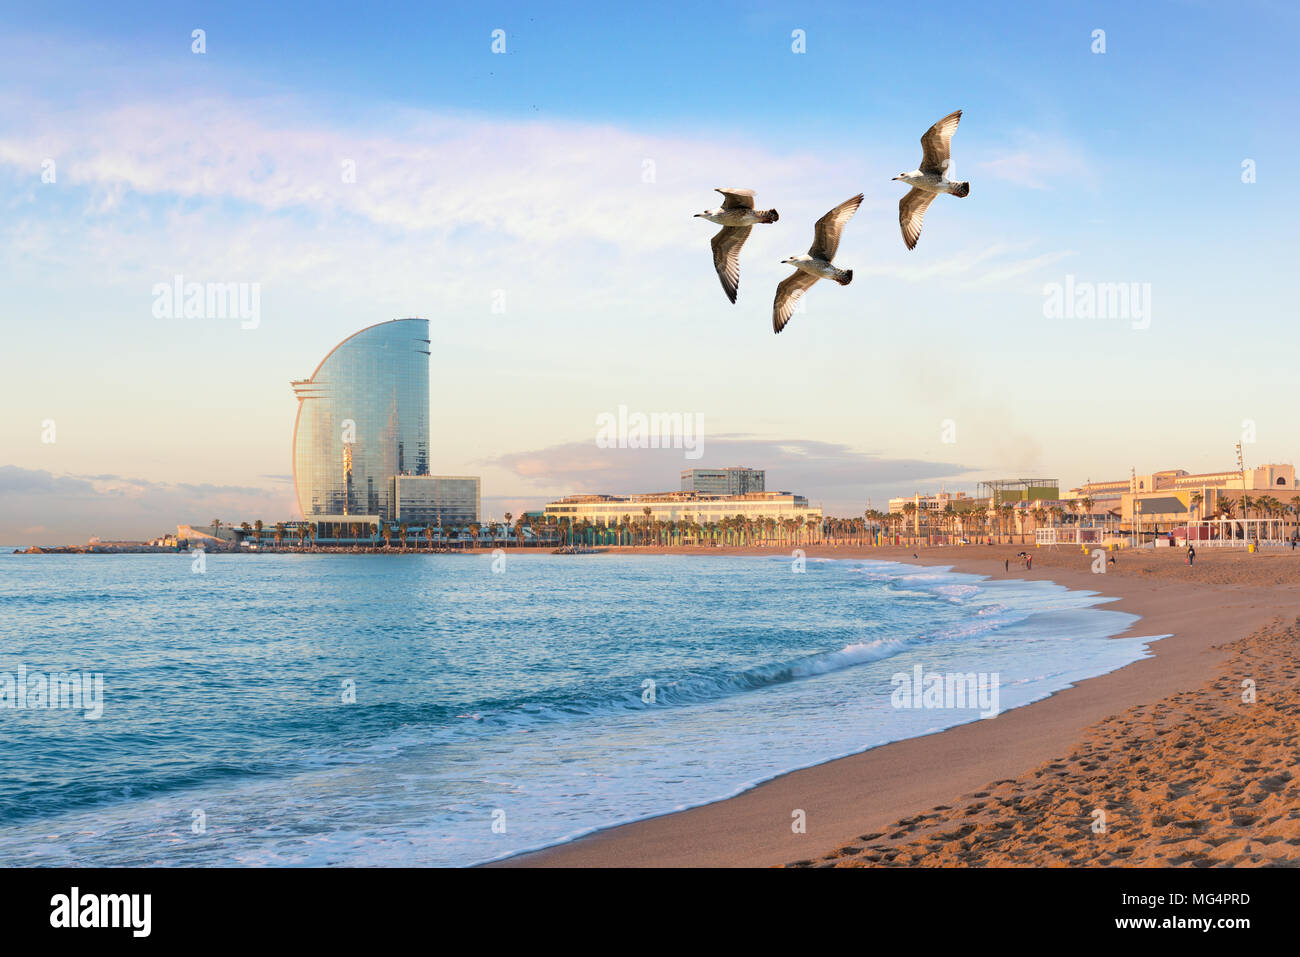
[[361, 451]]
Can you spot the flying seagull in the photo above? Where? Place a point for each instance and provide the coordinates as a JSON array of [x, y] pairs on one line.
[[736, 216], [816, 264], [931, 179]]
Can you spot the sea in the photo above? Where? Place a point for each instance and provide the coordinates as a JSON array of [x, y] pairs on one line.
[[446, 710]]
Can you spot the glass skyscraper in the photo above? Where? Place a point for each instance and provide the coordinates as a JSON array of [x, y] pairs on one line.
[[363, 417]]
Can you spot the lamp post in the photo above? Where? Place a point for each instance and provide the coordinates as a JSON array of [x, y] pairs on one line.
[[1241, 467]]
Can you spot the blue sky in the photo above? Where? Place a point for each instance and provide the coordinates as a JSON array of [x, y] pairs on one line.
[[519, 178]]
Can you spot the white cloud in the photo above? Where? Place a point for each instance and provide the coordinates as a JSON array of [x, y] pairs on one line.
[[1038, 162], [541, 183]]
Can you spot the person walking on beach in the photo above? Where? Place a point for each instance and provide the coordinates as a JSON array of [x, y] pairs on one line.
[[1191, 554], [1007, 566], [1029, 563]]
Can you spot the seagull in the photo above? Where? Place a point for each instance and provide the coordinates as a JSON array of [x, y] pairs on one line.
[[736, 216], [931, 179], [816, 264]]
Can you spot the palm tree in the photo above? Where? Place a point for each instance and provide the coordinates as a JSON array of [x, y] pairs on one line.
[[258, 526], [1223, 509], [279, 533], [508, 517], [1007, 511], [474, 529], [1040, 516], [1270, 507], [374, 530], [386, 530]]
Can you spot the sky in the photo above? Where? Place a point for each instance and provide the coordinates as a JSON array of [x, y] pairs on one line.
[[536, 205]]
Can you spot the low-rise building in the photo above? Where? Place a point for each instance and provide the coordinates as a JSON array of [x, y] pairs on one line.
[[447, 500], [610, 511], [1158, 500], [932, 503]]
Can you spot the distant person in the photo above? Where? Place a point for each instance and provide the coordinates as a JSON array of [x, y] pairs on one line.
[[1191, 555], [1029, 562], [1007, 566]]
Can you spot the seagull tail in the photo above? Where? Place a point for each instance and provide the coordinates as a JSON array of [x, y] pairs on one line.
[[963, 189], [845, 277], [769, 215]]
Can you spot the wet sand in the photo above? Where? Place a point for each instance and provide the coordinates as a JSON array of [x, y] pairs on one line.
[[1183, 770]]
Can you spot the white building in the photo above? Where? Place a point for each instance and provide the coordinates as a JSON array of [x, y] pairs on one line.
[[701, 508]]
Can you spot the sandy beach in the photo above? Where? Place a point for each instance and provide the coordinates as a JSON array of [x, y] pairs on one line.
[[1158, 763]]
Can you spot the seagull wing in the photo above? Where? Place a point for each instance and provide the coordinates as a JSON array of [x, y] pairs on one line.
[[936, 144], [826, 236], [787, 296], [736, 197], [726, 256], [911, 214]]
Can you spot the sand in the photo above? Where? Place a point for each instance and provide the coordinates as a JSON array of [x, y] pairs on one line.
[[1184, 772]]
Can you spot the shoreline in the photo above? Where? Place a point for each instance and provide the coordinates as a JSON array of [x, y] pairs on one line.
[[1222, 599]]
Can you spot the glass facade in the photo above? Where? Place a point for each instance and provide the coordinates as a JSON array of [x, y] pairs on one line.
[[363, 417], [728, 481], [448, 500]]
